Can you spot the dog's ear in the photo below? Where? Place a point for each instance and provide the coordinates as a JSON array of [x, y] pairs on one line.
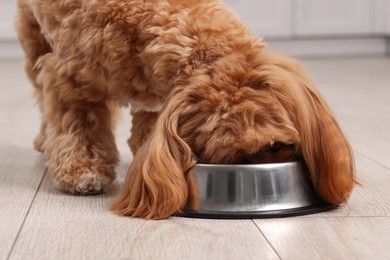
[[156, 186], [325, 149], [323, 146]]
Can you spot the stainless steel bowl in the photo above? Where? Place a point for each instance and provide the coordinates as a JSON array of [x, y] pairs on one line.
[[251, 191]]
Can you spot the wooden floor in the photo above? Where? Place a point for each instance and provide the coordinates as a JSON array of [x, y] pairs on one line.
[[39, 222]]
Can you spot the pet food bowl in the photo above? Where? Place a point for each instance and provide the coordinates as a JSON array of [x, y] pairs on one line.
[[251, 191]]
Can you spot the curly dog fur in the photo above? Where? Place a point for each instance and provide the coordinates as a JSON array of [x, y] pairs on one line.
[[201, 89]]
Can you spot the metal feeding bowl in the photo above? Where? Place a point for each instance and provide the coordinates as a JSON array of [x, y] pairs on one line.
[[251, 191]]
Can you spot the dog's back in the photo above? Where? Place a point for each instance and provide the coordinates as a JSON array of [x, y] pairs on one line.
[[128, 48]]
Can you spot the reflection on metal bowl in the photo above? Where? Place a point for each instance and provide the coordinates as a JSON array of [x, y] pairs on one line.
[[251, 191]]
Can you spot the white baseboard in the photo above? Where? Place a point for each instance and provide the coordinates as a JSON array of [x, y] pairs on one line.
[[388, 46], [10, 49], [343, 47]]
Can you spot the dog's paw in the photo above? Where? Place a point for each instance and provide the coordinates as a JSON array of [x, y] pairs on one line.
[[86, 182], [38, 142], [91, 183]]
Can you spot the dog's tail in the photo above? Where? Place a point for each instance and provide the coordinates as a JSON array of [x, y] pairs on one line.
[[324, 147]]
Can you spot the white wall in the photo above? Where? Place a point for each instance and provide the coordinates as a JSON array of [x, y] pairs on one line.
[[9, 48], [334, 17], [271, 18], [7, 14], [319, 27], [382, 21], [303, 18]]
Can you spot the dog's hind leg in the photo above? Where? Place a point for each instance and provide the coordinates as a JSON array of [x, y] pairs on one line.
[[143, 123], [34, 45]]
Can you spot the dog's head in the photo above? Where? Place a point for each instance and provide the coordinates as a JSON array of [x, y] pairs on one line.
[[229, 116], [242, 109]]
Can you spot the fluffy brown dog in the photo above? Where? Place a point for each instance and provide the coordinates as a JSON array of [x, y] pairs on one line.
[[201, 88]]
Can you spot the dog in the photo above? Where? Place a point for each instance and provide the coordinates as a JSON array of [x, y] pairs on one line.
[[201, 88]]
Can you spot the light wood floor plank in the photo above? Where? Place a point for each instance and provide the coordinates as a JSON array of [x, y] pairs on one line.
[[329, 238], [21, 168], [20, 175], [62, 226]]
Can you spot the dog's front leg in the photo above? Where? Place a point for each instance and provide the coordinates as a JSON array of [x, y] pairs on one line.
[[79, 144], [80, 147]]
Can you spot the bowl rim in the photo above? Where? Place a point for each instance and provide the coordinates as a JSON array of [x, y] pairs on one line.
[[254, 166]]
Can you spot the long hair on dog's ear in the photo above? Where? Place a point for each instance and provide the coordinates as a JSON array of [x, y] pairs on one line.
[[324, 148], [156, 185]]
